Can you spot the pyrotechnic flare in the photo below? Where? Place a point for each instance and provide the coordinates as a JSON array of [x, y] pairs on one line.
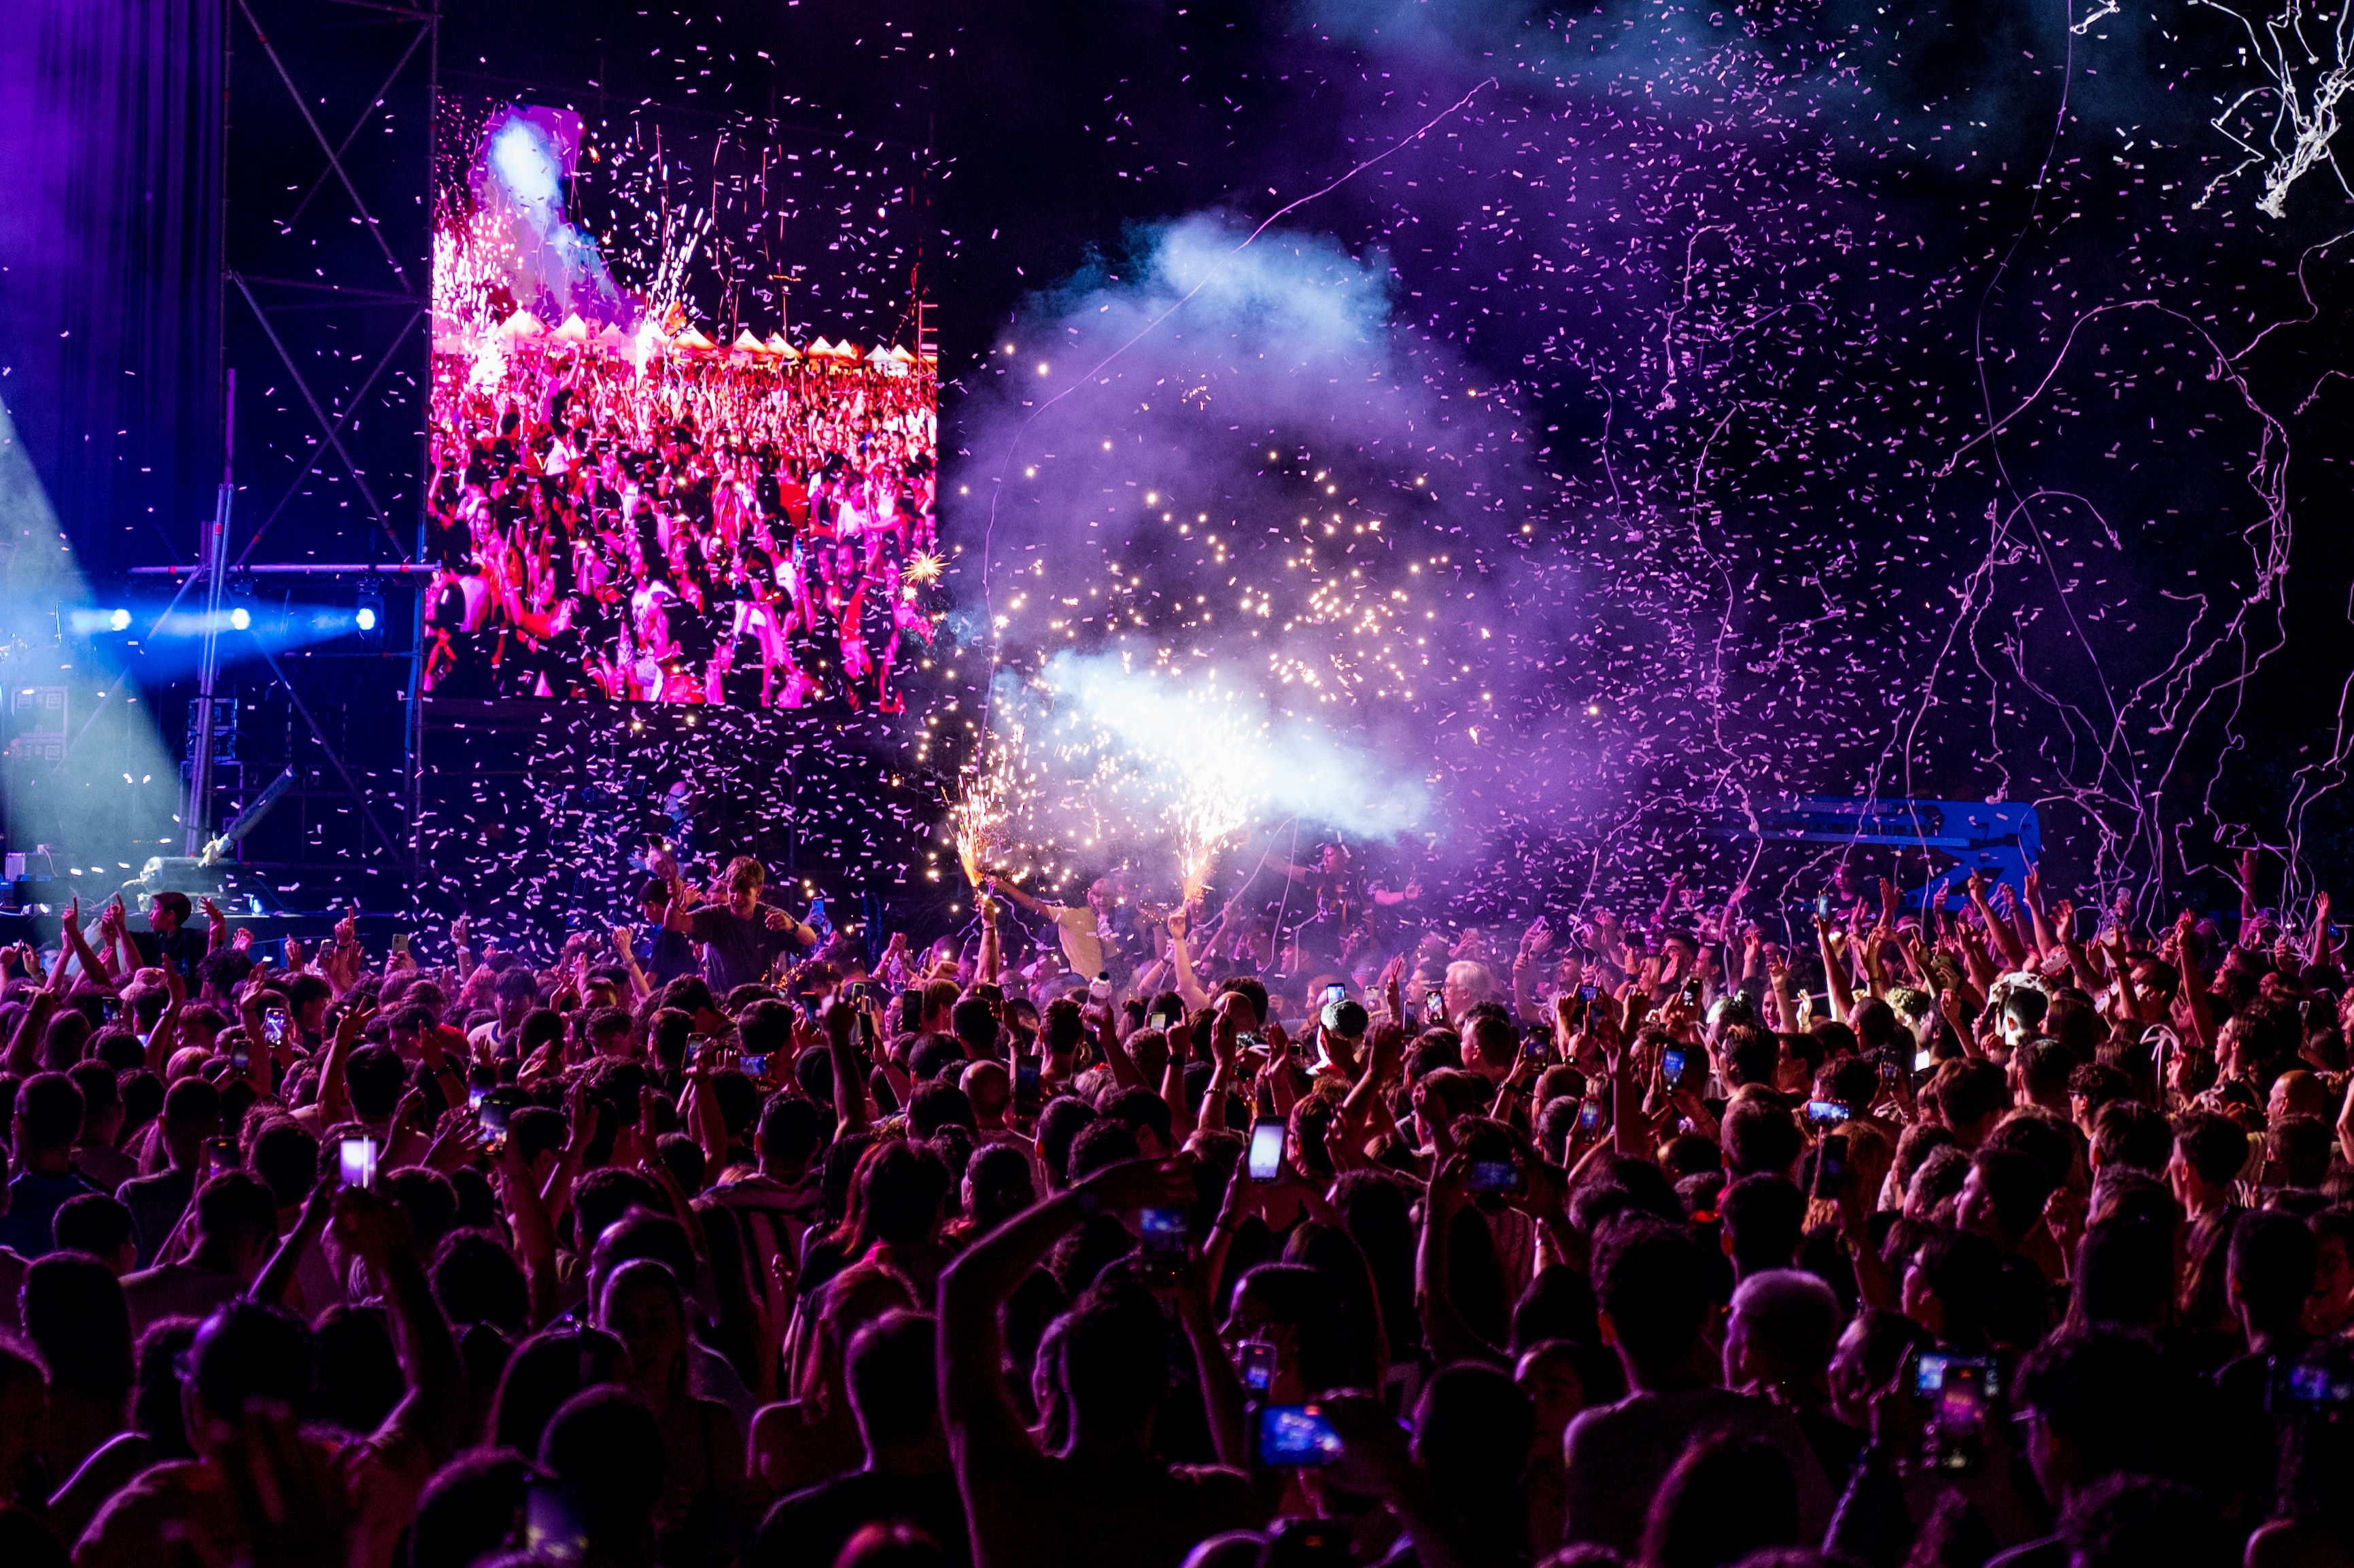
[[986, 789], [1216, 804]]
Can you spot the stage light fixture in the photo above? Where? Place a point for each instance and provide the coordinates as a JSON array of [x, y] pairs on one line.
[[94, 622], [241, 618], [368, 614]]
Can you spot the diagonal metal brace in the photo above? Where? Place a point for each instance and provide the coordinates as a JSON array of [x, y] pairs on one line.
[[329, 427], [368, 218], [311, 465], [374, 103], [351, 786]]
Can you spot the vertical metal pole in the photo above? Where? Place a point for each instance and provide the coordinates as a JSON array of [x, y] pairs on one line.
[[196, 819], [414, 761], [215, 548]]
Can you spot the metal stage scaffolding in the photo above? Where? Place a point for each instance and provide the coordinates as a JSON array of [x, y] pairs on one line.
[[326, 275]]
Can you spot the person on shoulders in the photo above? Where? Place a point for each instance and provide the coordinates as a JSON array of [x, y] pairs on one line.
[[743, 938]]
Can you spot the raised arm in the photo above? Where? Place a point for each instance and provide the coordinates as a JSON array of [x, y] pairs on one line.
[[333, 1097], [165, 1037], [851, 1109], [116, 926], [1444, 1330], [2194, 982], [1786, 1011], [2031, 894], [625, 949], [1875, 971], [269, 1286], [24, 1048], [1668, 902], [1535, 942], [2080, 965], [985, 970], [1189, 988], [1124, 1071], [1835, 973], [535, 1235], [77, 944], [2006, 940], [2128, 999], [979, 1413], [433, 1410], [1223, 1402], [25, 1045], [1000, 885]]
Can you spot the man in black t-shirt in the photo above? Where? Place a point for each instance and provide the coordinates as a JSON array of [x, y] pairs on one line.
[[167, 938], [742, 937]]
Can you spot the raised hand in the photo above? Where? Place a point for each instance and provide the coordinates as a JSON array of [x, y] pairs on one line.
[[353, 1022], [582, 1115], [456, 1139], [371, 1226], [1393, 988], [1448, 1191]]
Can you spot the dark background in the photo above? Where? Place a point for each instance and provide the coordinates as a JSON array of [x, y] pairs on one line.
[[1048, 133]]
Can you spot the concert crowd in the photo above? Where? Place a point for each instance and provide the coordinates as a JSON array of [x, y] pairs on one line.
[[709, 528], [1984, 1229]]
